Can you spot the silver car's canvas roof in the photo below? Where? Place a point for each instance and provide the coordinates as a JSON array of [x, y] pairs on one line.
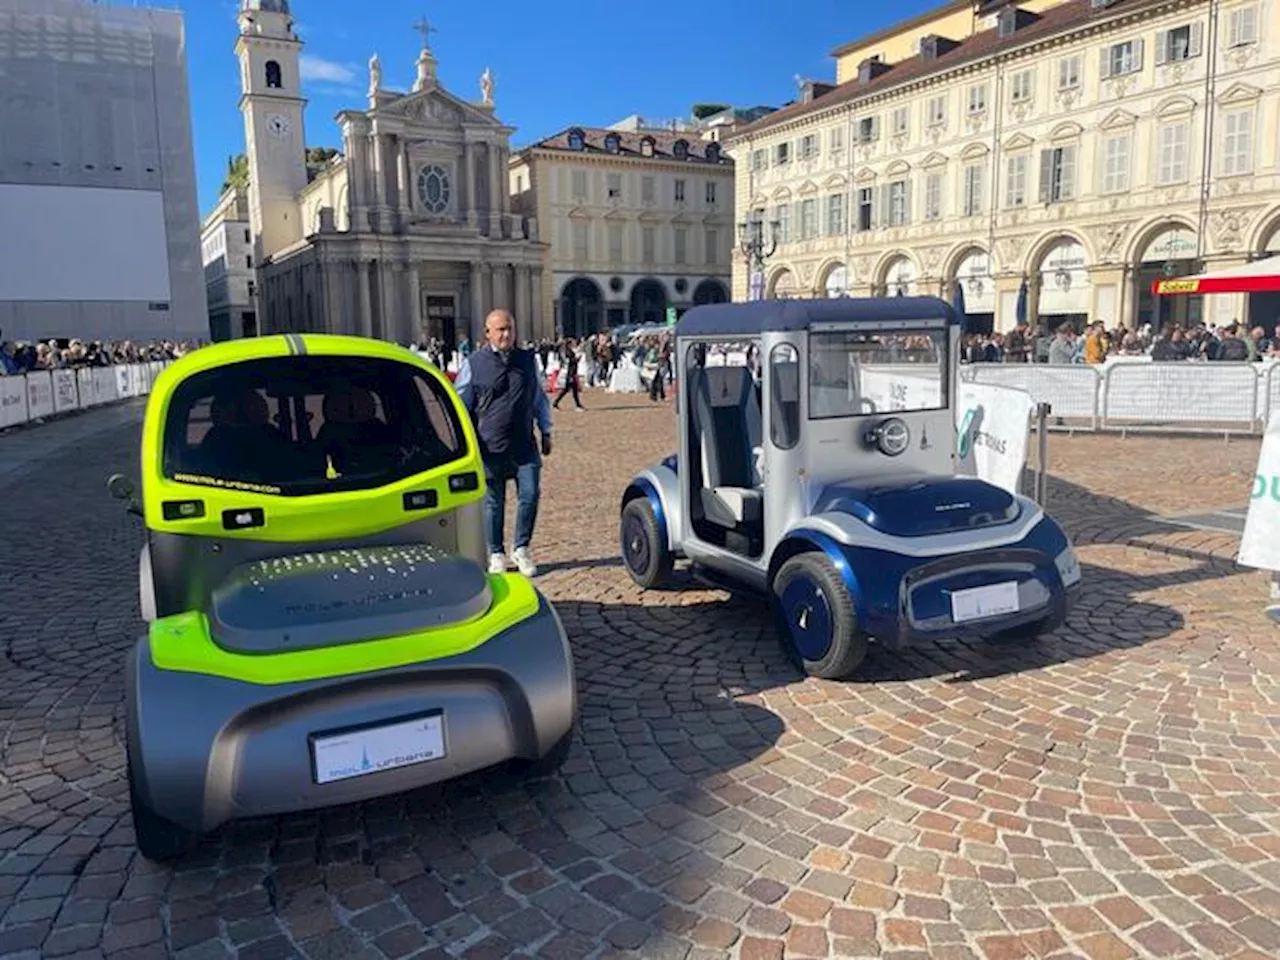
[[770, 316]]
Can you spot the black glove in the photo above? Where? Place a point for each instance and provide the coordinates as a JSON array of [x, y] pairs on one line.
[[546, 444]]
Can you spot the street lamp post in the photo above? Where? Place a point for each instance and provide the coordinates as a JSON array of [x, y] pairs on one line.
[[756, 249]]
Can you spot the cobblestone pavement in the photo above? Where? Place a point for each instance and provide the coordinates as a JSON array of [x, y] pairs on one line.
[[1110, 792]]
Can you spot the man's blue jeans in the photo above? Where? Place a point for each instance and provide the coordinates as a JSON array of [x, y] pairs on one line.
[[528, 478]]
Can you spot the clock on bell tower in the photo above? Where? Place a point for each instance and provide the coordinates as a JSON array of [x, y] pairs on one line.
[[271, 102]]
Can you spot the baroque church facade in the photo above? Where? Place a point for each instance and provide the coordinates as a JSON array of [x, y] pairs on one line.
[[409, 232]]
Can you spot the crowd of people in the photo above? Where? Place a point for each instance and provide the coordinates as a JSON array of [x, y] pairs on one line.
[[18, 358], [1097, 344]]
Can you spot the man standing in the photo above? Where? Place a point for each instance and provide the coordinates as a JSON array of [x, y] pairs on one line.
[[499, 386]]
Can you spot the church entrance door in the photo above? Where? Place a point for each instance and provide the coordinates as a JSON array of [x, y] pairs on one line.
[[442, 319]]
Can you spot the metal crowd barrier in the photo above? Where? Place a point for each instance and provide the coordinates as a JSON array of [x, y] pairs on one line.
[[47, 393], [1227, 398]]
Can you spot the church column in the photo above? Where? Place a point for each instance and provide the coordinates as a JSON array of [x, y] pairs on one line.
[[496, 189], [477, 304], [536, 306], [406, 180], [357, 181], [470, 188], [364, 323], [523, 326], [415, 304]]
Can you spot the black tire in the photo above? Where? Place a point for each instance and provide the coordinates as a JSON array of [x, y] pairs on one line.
[[644, 551], [816, 619], [553, 760], [157, 838]]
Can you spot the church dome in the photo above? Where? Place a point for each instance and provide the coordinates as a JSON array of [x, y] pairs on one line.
[[266, 6]]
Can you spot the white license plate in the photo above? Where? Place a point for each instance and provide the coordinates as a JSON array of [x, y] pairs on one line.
[[982, 602], [357, 753]]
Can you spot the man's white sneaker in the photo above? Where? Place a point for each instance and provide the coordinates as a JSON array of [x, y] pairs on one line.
[[524, 562], [497, 563]]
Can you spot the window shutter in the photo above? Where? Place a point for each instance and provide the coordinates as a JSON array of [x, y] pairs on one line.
[[1104, 64], [1046, 175], [906, 201], [875, 127], [1068, 172], [1162, 47], [1197, 39], [1137, 54]]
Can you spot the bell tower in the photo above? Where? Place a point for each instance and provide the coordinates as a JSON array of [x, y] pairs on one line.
[[271, 102]]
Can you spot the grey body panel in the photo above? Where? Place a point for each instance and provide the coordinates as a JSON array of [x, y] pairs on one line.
[[180, 572], [205, 750], [334, 597]]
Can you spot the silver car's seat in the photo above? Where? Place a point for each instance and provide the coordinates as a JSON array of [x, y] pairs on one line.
[[727, 411]]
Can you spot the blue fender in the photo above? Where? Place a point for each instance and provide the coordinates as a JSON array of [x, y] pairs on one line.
[[644, 487], [806, 541]]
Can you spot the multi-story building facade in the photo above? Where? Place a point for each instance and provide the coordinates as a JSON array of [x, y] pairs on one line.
[[1082, 148], [226, 246], [639, 218], [97, 174]]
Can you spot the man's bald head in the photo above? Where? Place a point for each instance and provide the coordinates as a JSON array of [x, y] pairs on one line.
[[500, 330]]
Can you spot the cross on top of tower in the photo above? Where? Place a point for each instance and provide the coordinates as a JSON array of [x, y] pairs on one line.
[[425, 28]]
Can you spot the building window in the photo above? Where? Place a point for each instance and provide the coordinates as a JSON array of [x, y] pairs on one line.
[[781, 154], [248, 262], [1242, 26], [681, 238], [646, 147], [978, 98], [1069, 73], [866, 208], [782, 213], [808, 219], [1237, 146], [1172, 153], [615, 243], [868, 129], [575, 140], [611, 143], [1021, 87], [937, 111], [712, 239], [835, 215], [678, 188], [681, 150], [1180, 43], [615, 187], [901, 121], [899, 203], [837, 140], [973, 189], [1015, 186], [1115, 164], [1121, 58], [758, 160], [710, 194], [648, 243], [273, 75], [434, 191], [808, 147], [933, 197], [581, 243], [579, 186], [1057, 174], [713, 152]]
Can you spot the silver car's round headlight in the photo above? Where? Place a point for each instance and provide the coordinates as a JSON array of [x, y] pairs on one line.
[[891, 437]]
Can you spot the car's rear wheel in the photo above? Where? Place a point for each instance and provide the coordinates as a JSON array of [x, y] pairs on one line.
[[644, 550], [157, 838], [816, 617]]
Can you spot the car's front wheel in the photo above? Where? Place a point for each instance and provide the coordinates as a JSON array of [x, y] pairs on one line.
[[816, 617], [644, 549], [157, 838]]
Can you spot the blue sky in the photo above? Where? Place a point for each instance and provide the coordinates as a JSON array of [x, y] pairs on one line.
[[591, 62]]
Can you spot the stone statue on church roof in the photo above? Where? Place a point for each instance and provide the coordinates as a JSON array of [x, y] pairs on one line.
[[486, 86], [375, 75]]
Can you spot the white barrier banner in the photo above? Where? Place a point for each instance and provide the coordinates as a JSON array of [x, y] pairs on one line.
[[39, 395], [993, 426], [64, 391], [1260, 544], [13, 401]]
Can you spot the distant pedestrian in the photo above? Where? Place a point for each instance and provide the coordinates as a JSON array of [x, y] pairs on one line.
[[569, 375], [500, 387]]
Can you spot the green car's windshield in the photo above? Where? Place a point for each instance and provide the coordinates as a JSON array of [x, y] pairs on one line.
[[303, 425]]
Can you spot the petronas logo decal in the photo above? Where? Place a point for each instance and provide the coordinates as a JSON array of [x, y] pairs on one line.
[[964, 442]]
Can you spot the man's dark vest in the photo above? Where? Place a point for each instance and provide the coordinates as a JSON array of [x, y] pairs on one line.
[[504, 391]]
